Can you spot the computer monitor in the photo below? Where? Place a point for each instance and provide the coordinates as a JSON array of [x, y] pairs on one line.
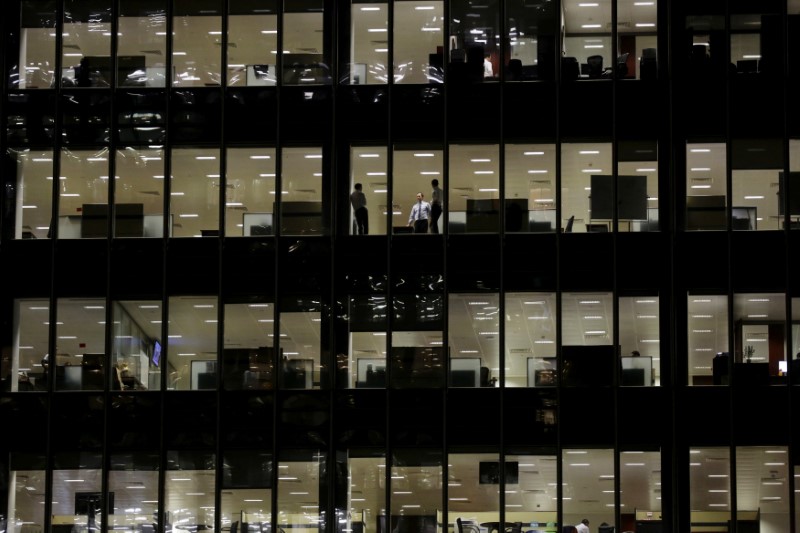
[[631, 197]]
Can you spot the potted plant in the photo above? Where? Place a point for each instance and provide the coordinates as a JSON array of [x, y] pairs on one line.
[[748, 352]]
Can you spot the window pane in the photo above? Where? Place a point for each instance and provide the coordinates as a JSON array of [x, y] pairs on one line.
[[473, 203], [136, 356], [139, 193], [709, 360], [26, 485], [77, 484], [86, 58], [710, 484], [474, 489], [706, 188], [534, 500], [418, 34], [196, 45], [530, 351], [417, 359], [757, 168], [192, 343], [369, 53], [416, 484], [637, 186], [587, 40], [83, 194], [299, 482], [530, 188], [26, 369], [793, 185], [414, 172], [252, 43], [639, 483], [639, 340], [194, 198], [133, 480], [32, 207], [249, 192], [584, 499], [588, 355], [246, 499], [580, 163], [300, 343], [531, 40], [762, 486], [366, 500], [366, 366], [142, 44], [475, 53], [368, 169], [794, 365], [248, 357], [81, 345], [37, 46], [474, 344], [301, 197], [304, 60], [637, 40], [189, 490], [759, 338]]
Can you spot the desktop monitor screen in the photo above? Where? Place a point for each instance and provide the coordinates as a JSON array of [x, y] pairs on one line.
[[156, 353], [631, 197]]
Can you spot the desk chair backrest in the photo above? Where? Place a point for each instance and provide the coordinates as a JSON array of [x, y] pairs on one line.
[[595, 66], [570, 222]]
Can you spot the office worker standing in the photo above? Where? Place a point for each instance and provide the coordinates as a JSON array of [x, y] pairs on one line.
[[420, 213], [436, 205], [359, 202], [583, 527]]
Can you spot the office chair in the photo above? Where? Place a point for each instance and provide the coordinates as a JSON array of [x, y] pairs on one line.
[[514, 71], [570, 222], [622, 66], [516, 527], [466, 527], [569, 68], [648, 64], [595, 66]]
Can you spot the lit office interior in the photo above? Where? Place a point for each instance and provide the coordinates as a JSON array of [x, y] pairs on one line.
[[196, 338]]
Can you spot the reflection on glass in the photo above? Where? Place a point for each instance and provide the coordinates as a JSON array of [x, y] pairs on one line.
[[531, 41], [416, 485], [246, 499], [192, 343], [530, 350], [414, 172], [706, 191], [81, 344], [473, 195], [189, 491], [417, 359], [252, 43], [249, 192], [418, 36], [530, 188], [474, 332], [709, 359], [586, 46], [304, 59], [369, 53], [366, 364], [474, 488], [25, 489], [34, 193], [762, 486], [86, 45], [757, 170], [534, 499], [639, 340], [76, 492], [37, 46], [138, 193], [141, 44], [299, 483], [197, 44], [248, 357], [583, 167], [366, 498], [133, 480], [709, 482], [640, 484], [300, 343], [194, 198], [136, 357], [637, 186], [26, 369], [368, 168], [301, 197], [582, 500], [83, 194], [475, 53]]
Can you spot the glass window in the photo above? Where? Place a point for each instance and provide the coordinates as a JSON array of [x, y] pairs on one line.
[[366, 365], [531, 42], [142, 44], [37, 46], [475, 53], [83, 194], [473, 196], [640, 484], [474, 343], [418, 40], [86, 45], [588, 501], [33, 193], [252, 43], [192, 343], [189, 490], [366, 497], [757, 171], [707, 52], [586, 44], [248, 357], [305, 60], [27, 367], [417, 359], [250, 192], [473, 481], [301, 194], [533, 502], [585, 167], [77, 497], [416, 484], [530, 181], [759, 338], [300, 343], [794, 364], [762, 486], [637, 39], [792, 188], [25, 489], [706, 188], [414, 172], [246, 496], [639, 340], [637, 186], [530, 350], [194, 198], [136, 357], [133, 480], [709, 484], [139, 193], [368, 170], [196, 44], [588, 353], [796, 499], [300, 480], [80, 344], [709, 359], [369, 48]]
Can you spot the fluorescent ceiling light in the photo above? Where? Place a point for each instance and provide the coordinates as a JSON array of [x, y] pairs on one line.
[[591, 26]]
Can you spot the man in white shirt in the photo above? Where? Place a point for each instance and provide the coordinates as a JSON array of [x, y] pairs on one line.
[[420, 213], [583, 527]]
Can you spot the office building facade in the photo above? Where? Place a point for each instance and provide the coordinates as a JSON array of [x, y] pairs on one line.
[[596, 318]]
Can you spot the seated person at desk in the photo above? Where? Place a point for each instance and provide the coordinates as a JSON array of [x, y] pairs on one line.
[[124, 378]]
